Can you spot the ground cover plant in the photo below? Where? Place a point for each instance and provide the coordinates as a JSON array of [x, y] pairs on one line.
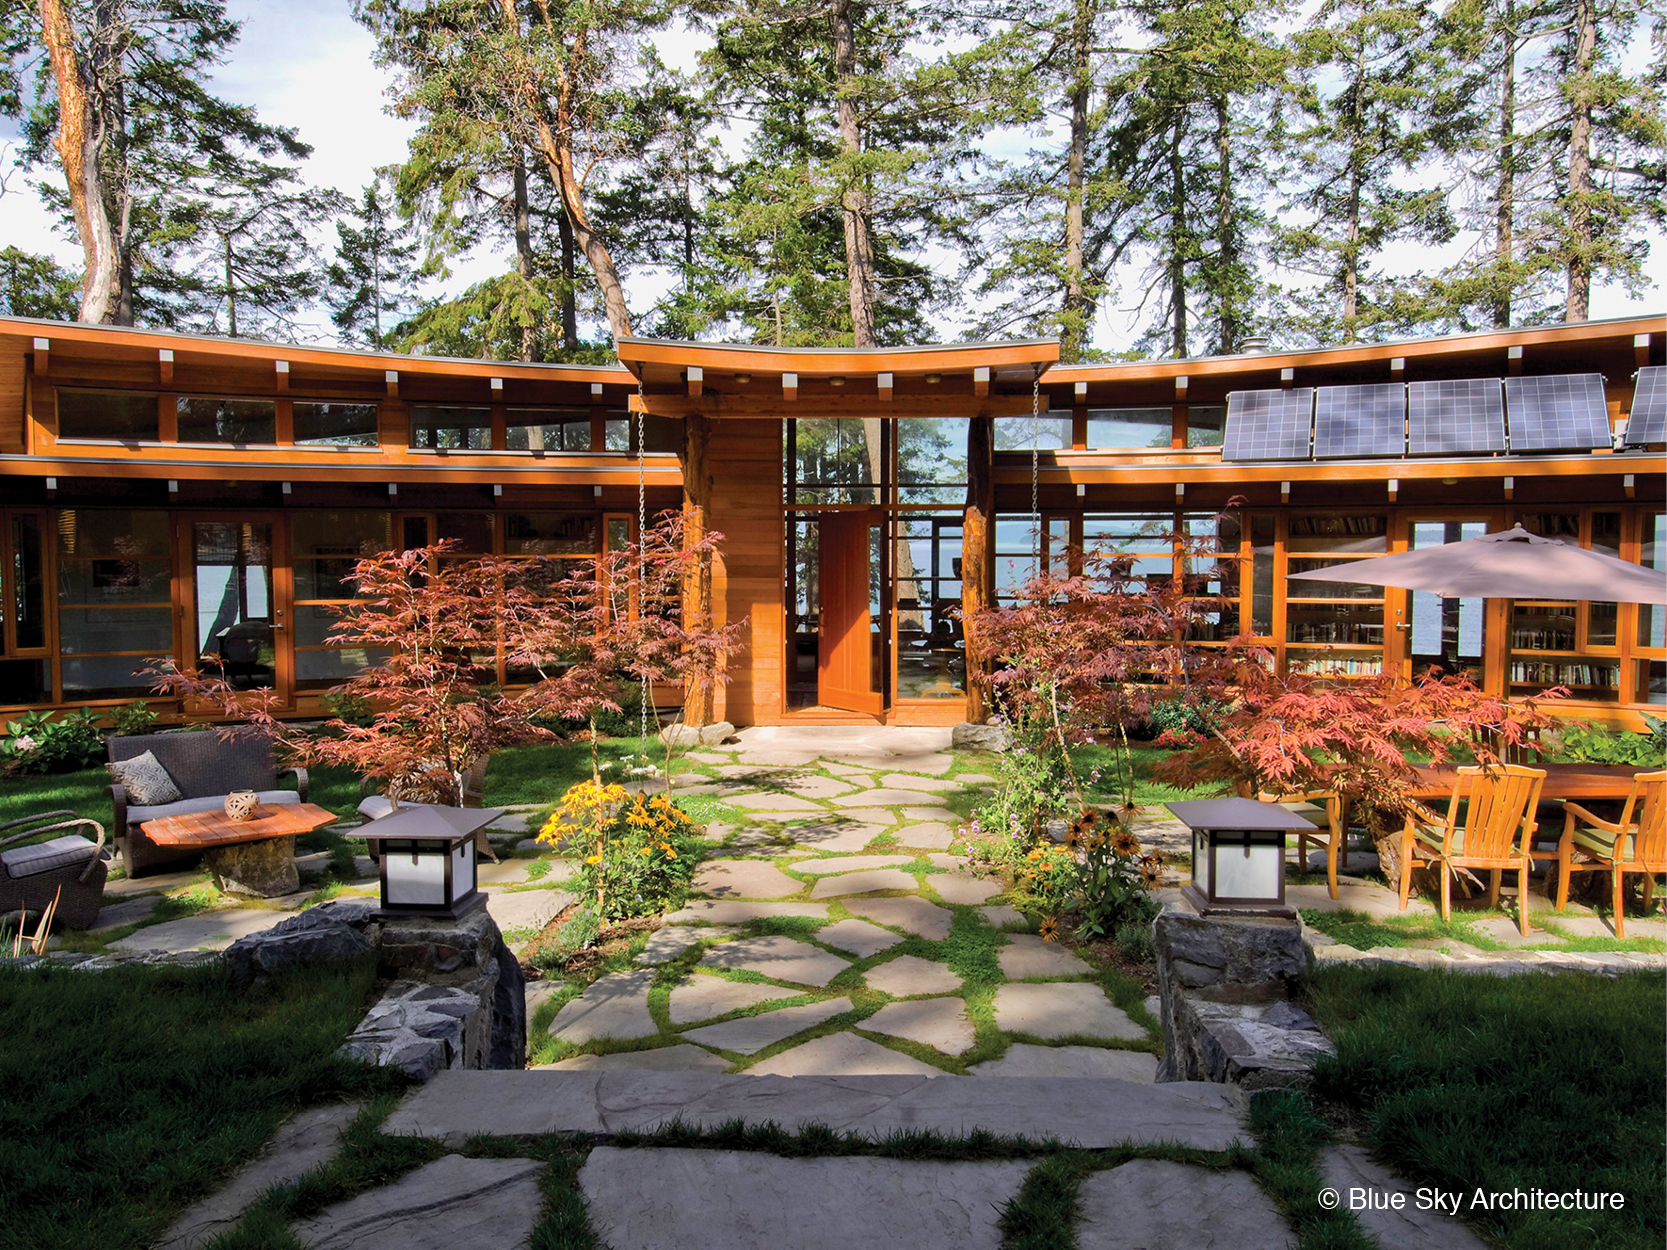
[[1539, 1081], [1363, 932], [133, 1092]]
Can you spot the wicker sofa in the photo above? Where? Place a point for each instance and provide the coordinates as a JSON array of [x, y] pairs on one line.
[[205, 766], [68, 869]]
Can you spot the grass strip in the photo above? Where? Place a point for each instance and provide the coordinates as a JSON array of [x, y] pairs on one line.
[[1287, 1167], [816, 1141]]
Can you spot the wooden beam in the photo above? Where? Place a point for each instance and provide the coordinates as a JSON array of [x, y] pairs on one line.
[[981, 381], [1287, 377], [1397, 368], [977, 534], [165, 365], [695, 376], [790, 386], [43, 351], [698, 688], [1513, 360], [1641, 349]]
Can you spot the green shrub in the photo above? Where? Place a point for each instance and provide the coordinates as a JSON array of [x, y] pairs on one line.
[[39, 744], [348, 708], [1134, 942], [134, 720], [1598, 744], [576, 933]]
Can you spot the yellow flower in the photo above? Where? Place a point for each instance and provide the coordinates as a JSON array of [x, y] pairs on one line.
[[670, 854], [594, 859], [1050, 929], [647, 851]]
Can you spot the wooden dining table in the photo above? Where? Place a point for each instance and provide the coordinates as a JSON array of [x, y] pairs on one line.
[[1562, 781]]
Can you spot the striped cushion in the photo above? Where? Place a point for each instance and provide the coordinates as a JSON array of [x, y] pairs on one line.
[[29, 861], [147, 783]]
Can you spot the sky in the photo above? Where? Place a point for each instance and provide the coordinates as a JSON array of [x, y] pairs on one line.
[[309, 65]]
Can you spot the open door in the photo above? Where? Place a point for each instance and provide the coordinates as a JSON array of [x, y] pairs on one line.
[[235, 605], [846, 673]]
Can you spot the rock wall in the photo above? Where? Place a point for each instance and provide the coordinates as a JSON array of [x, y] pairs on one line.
[[1224, 985]]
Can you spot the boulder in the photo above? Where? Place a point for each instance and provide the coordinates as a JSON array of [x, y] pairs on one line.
[[283, 949], [969, 737], [689, 737]]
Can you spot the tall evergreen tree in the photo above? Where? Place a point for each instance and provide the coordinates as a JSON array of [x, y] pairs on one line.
[[372, 279], [121, 105], [37, 286]]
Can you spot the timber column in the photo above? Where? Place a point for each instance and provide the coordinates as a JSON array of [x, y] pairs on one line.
[[697, 581], [977, 535]]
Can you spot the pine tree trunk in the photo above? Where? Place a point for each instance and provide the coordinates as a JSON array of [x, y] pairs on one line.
[[569, 275], [77, 145], [1585, 37], [1177, 245], [1504, 245], [524, 248], [1074, 331], [231, 290], [859, 243], [1227, 244], [1351, 242]]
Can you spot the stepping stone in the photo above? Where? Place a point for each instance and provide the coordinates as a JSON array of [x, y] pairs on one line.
[[940, 1023], [751, 1034], [914, 915], [1028, 956], [842, 1054], [902, 781], [858, 776], [664, 1059], [527, 909], [1170, 1206], [509, 872], [746, 769], [613, 1006], [954, 888], [1072, 1009], [210, 931], [816, 787], [952, 863], [162, 882], [908, 975], [1085, 1062], [975, 779], [880, 797], [307, 1140], [930, 833], [710, 757], [859, 937], [755, 760], [131, 912], [537, 993], [744, 878], [702, 998], [724, 1200], [670, 941], [697, 787], [779, 958], [735, 911], [849, 863], [863, 883], [774, 803], [1349, 1167], [1000, 916], [452, 1202], [937, 815], [879, 818], [844, 835]]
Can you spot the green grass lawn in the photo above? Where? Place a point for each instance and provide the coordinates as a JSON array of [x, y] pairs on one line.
[[1534, 1082], [132, 1093]]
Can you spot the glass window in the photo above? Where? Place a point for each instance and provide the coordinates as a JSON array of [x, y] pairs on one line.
[[205, 419], [1015, 551], [1652, 618], [932, 459], [1446, 633], [549, 429], [25, 600], [451, 428], [233, 582], [1046, 432], [1204, 424], [115, 606], [838, 459], [1130, 427], [1261, 576], [616, 432], [931, 647], [25, 681], [471, 531], [549, 534], [106, 414], [325, 547], [335, 424]]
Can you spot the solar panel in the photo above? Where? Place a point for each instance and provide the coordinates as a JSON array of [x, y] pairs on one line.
[[1648, 421], [1268, 425], [1444, 418], [1565, 412], [1360, 420]]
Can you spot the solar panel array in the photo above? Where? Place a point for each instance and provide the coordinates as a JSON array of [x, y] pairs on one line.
[[1564, 412], [1268, 425], [1444, 418], [1367, 420], [1647, 422]]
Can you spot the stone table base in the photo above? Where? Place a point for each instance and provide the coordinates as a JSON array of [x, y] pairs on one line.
[[265, 869]]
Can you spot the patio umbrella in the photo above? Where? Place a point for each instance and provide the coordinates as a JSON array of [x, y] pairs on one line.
[[1511, 565]]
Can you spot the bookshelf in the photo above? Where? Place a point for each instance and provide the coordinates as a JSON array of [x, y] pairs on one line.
[[1334, 629]]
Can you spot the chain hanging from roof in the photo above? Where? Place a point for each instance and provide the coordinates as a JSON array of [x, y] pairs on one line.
[[642, 565], [1035, 468]]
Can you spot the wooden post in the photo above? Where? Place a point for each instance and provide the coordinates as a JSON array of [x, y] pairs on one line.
[[977, 540], [697, 581]]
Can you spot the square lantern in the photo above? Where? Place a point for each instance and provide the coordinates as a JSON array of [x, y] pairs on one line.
[[427, 855], [1238, 853]]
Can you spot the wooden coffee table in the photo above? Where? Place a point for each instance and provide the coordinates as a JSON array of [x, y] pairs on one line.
[[254, 856]]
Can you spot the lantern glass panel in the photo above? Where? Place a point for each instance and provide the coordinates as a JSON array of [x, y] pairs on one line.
[[415, 876], [1250, 870], [462, 870]]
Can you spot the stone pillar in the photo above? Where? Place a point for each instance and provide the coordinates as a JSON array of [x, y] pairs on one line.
[[977, 548]]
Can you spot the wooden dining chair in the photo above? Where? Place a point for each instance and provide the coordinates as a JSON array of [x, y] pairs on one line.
[[1636, 843], [1498, 833], [1333, 834]]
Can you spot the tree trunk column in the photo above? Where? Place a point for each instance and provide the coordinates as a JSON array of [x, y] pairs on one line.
[[977, 534], [697, 581]]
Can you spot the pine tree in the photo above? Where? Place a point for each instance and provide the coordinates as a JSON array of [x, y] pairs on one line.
[[373, 277], [37, 286]]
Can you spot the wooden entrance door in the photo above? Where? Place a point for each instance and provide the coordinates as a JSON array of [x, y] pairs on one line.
[[236, 600], [846, 675]]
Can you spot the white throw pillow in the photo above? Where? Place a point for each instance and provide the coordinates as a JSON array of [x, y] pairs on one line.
[[147, 783]]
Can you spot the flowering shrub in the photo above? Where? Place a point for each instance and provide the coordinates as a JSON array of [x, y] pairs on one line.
[[1178, 739], [39, 743], [642, 850], [1115, 877]]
